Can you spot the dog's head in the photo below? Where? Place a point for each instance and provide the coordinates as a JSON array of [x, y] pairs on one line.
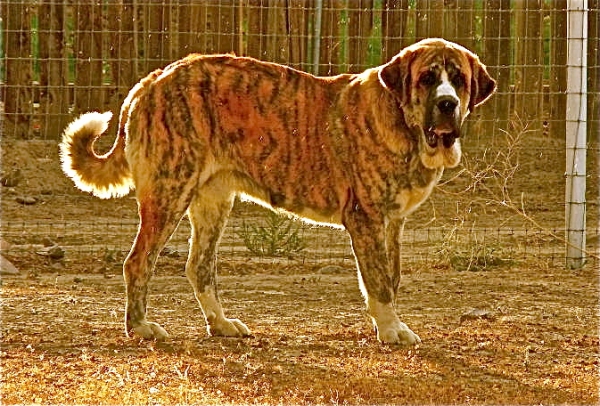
[[437, 84]]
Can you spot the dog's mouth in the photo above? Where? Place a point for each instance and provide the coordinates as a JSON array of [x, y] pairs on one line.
[[445, 135]]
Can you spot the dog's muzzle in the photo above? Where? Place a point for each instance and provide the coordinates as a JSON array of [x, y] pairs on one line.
[[444, 119]]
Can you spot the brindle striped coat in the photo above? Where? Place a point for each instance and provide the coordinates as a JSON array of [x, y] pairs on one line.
[[357, 151]]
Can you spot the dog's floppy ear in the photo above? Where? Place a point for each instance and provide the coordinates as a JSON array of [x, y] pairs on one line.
[[395, 75], [482, 84]]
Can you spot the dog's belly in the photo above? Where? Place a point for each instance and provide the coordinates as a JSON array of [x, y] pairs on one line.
[[326, 216], [406, 202], [308, 214]]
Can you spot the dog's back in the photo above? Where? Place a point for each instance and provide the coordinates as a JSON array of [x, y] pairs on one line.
[[266, 124]]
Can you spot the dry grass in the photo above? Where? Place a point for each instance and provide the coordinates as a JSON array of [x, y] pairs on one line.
[[62, 340]]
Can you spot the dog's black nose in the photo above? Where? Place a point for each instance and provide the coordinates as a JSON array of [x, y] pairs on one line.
[[447, 105]]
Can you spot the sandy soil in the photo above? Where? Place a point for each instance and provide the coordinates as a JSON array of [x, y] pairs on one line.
[[534, 340]]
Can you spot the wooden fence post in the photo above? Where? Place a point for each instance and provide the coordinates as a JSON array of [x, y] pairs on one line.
[[558, 70], [394, 28], [430, 19], [529, 60], [316, 37], [89, 94], [191, 25], [497, 56], [360, 24], [17, 93], [459, 23], [155, 23], [220, 29], [123, 59], [330, 46], [54, 97], [277, 39], [298, 15], [257, 23]]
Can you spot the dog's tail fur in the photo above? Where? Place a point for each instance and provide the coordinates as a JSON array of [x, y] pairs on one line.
[[105, 175]]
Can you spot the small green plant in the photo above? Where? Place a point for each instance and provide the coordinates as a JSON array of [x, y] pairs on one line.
[[464, 256], [476, 258], [461, 251], [112, 255], [279, 237]]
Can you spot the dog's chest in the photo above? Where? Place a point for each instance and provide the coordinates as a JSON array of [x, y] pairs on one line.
[[413, 190]]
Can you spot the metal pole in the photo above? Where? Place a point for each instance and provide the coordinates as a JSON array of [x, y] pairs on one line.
[[576, 129], [317, 37]]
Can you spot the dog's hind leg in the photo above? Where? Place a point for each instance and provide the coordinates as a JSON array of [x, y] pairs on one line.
[[160, 212], [208, 215]]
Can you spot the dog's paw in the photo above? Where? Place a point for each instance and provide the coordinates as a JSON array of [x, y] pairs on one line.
[[150, 331], [390, 330], [228, 328], [397, 333]]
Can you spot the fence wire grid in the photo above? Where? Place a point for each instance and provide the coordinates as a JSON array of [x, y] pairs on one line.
[[475, 248], [63, 58]]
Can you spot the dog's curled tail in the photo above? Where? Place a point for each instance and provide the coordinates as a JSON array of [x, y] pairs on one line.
[[105, 175]]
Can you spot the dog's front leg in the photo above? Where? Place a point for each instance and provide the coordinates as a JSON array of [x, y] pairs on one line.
[[379, 272]]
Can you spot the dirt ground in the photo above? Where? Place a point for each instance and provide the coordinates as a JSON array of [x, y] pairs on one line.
[[521, 333], [534, 342]]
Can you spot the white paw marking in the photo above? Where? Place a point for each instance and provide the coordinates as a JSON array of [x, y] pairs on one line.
[[217, 323], [228, 328], [150, 331], [390, 329], [399, 333]]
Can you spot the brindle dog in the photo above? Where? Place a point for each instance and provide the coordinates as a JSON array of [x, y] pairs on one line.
[[356, 151]]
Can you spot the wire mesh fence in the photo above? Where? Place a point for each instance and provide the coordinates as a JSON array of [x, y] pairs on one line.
[[461, 248], [62, 58]]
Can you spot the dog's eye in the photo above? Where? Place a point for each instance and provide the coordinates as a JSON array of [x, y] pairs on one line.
[[427, 79], [458, 80]]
